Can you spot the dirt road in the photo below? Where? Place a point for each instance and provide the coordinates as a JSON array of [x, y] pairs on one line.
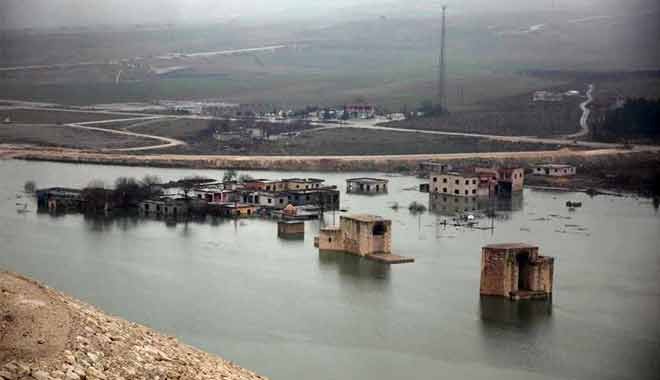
[[586, 112], [168, 142]]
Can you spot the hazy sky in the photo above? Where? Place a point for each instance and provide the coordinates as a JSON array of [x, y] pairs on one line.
[[48, 13]]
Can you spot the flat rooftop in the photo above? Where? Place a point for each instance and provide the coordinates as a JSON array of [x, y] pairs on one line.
[[504, 246], [305, 180], [368, 180], [364, 218], [461, 173]]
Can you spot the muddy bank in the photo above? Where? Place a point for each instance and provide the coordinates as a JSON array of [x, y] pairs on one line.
[[382, 163], [48, 335]]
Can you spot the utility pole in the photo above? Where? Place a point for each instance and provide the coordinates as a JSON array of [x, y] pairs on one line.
[[442, 72]]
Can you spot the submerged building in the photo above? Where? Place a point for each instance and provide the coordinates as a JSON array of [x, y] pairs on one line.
[[516, 271], [59, 199], [478, 182], [363, 235], [366, 185]]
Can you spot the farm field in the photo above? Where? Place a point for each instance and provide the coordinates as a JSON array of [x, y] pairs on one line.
[[39, 116], [66, 137], [349, 141], [508, 116]]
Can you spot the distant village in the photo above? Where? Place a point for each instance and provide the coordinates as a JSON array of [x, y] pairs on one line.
[[290, 198]]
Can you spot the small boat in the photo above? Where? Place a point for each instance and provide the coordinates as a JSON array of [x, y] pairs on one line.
[[570, 204]]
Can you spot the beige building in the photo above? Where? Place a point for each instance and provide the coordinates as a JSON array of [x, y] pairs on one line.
[[358, 234], [516, 271], [458, 184], [503, 181], [290, 229], [302, 183]]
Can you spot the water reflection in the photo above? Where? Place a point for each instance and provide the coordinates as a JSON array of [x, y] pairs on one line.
[[102, 223], [447, 205], [355, 266], [503, 311]]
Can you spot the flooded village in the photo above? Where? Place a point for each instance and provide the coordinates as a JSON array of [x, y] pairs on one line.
[[469, 196], [353, 189], [484, 239]]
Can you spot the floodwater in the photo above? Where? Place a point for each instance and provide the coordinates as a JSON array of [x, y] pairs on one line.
[[282, 309]]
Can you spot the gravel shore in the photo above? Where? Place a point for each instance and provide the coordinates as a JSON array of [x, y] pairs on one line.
[[45, 334]]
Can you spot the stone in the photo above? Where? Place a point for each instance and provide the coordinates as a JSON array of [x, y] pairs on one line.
[[69, 359], [72, 376], [92, 357], [40, 375], [4, 374]]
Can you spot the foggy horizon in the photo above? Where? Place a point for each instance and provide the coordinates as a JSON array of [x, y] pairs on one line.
[[58, 13]]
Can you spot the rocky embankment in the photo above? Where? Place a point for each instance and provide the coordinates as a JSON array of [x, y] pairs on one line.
[[387, 163], [45, 334]]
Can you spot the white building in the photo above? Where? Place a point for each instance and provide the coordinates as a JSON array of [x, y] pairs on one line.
[[555, 170]]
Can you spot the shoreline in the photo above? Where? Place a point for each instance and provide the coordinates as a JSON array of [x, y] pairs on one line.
[[48, 335], [381, 163]]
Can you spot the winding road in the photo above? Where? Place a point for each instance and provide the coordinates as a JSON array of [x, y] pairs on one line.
[[594, 148], [167, 142], [586, 112]]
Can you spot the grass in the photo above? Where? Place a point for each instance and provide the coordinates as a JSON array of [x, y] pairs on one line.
[[67, 137], [343, 141], [510, 116], [54, 117]]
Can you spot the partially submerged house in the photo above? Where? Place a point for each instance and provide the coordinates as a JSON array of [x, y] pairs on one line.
[[478, 182], [165, 206], [516, 271], [503, 180], [59, 199], [465, 183], [303, 183], [365, 185], [290, 229], [363, 235], [555, 170], [233, 210]]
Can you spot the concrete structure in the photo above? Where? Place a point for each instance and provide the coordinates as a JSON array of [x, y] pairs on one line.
[[302, 183], [165, 207], [426, 168], [266, 199], [265, 185], [504, 181], [366, 185], [516, 271], [364, 235], [326, 198], [233, 210], [555, 170], [290, 229], [358, 234], [458, 184], [59, 199]]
